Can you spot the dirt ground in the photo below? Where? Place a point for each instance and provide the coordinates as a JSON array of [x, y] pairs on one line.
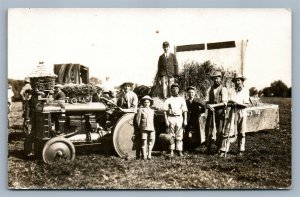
[[265, 165]]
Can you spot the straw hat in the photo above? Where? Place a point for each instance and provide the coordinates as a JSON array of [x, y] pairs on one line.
[[238, 76], [216, 74], [126, 83]]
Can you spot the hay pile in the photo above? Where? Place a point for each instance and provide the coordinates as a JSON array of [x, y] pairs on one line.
[[77, 90], [41, 79]]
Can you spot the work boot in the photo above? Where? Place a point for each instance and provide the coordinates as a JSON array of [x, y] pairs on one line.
[[222, 154], [180, 153], [171, 153]]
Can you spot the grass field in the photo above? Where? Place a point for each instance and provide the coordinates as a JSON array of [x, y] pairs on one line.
[[265, 165]]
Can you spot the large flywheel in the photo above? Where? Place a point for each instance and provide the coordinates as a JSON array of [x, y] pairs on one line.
[[123, 139]]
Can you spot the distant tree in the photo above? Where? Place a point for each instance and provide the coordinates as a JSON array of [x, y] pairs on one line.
[[95, 80], [276, 89], [279, 89], [267, 92], [253, 91]]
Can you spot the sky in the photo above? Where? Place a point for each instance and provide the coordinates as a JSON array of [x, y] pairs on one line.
[[124, 44]]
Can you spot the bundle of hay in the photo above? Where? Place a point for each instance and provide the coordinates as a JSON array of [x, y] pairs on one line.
[[78, 90], [41, 79]]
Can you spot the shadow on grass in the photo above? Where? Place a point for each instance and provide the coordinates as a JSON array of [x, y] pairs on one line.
[[15, 136]]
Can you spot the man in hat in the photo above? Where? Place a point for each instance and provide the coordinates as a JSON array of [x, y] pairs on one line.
[[127, 100], [192, 131], [58, 93], [240, 100], [217, 95], [167, 70], [175, 111], [26, 93], [98, 94], [145, 124]]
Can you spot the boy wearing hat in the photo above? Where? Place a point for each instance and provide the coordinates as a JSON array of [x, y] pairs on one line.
[[175, 111], [58, 93], [240, 100], [167, 69], [98, 94], [145, 123], [195, 108], [128, 99], [215, 123]]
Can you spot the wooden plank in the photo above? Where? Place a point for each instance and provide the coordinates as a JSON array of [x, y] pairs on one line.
[[221, 45], [192, 47]]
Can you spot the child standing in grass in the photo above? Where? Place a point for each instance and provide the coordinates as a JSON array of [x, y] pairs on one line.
[[145, 124]]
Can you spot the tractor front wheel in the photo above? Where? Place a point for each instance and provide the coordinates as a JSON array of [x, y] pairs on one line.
[[58, 148]]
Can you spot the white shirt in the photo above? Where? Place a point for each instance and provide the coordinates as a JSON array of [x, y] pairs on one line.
[[177, 105], [242, 96]]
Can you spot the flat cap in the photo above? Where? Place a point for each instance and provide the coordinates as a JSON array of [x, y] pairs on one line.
[[165, 44], [174, 85], [191, 88]]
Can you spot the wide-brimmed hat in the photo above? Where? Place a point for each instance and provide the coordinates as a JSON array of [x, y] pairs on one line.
[[147, 97], [27, 80], [216, 74], [165, 44], [126, 83], [191, 88], [238, 76], [99, 86], [58, 86], [175, 85]]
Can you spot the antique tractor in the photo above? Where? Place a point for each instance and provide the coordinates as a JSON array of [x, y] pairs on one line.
[[58, 127]]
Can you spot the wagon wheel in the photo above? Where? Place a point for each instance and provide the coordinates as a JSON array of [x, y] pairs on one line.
[[58, 148], [123, 135], [73, 100]]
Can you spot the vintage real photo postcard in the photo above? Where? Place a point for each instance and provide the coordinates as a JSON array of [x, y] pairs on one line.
[[149, 98]]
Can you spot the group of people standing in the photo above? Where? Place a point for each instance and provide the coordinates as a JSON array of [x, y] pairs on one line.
[[225, 119]]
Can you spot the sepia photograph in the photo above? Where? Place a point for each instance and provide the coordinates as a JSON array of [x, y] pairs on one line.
[[149, 98]]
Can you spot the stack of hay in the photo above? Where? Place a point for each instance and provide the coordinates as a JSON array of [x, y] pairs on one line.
[[78, 90], [41, 79]]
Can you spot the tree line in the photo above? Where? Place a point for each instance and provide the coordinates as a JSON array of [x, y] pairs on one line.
[[276, 89]]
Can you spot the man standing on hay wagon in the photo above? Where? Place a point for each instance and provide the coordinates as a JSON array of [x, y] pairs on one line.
[[166, 73], [216, 100], [175, 111], [238, 116]]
